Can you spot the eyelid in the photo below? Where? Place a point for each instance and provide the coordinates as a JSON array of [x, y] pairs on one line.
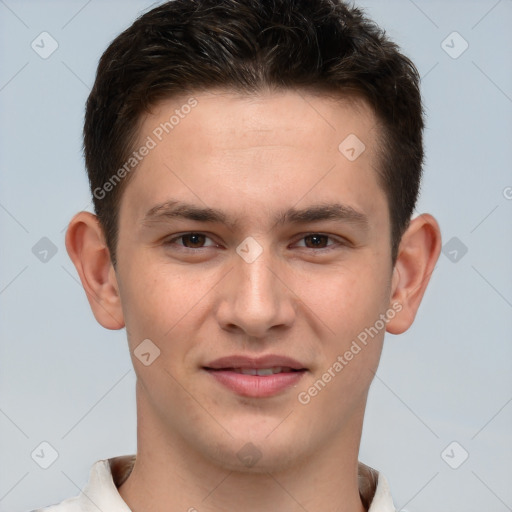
[[337, 241], [175, 237]]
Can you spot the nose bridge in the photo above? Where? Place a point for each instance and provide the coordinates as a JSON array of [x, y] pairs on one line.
[[257, 291], [255, 300]]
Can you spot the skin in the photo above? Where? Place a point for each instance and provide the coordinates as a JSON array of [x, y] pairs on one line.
[[252, 157]]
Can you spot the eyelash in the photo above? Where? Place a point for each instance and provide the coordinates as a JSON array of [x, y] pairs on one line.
[[336, 243]]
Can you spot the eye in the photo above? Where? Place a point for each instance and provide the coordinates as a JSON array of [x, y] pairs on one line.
[[317, 241], [191, 240]]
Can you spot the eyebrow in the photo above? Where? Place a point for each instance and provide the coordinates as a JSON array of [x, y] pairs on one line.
[[320, 212], [178, 209], [328, 211]]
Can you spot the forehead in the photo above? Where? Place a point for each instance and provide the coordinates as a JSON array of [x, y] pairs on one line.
[[248, 119], [271, 148]]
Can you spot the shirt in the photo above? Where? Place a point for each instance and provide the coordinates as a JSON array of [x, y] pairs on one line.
[[107, 475]]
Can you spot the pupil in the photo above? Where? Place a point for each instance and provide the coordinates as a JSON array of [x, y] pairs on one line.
[[194, 238], [317, 239]]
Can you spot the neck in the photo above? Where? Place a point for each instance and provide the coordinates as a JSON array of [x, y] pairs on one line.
[[169, 475]]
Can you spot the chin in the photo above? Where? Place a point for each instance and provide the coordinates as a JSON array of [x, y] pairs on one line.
[[258, 451]]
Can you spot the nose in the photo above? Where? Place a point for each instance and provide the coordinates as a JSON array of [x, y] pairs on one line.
[[256, 299]]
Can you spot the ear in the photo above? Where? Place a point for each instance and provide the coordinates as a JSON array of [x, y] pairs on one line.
[[88, 250], [417, 256]]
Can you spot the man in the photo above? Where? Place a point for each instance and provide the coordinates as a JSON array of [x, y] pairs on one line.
[[254, 167]]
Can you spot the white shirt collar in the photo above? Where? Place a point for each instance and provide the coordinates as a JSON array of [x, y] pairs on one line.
[[108, 474]]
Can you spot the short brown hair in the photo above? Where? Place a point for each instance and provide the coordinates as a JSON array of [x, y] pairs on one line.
[[248, 45]]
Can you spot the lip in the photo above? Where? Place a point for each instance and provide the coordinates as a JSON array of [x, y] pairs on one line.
[[268, 361], [256, 386]]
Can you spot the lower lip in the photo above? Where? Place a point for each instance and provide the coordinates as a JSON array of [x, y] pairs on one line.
[[256, 386]]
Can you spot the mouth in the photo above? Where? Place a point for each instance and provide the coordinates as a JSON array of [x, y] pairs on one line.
[[258, 371], [256, 377]]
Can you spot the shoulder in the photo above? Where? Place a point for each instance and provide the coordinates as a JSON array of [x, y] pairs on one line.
[[101, 490]]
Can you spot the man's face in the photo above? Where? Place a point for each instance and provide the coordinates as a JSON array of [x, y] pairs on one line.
[[259, 282]]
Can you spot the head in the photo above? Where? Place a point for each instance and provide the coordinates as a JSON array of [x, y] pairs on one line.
[[253, 123]]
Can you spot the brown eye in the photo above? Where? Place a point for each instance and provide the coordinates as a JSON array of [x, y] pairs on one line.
[[193, 240], [190, 240], [316, 241]]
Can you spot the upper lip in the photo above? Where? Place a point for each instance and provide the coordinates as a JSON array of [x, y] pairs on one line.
[[268, 361]]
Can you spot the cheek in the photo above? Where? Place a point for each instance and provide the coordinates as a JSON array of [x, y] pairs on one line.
[[350, 309], [154, 300], [348, 298], [349, 304]]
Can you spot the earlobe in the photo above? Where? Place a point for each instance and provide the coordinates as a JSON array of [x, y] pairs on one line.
[[417, 257], [87, 249]]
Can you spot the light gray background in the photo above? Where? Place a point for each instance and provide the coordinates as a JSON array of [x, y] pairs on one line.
[[67, 381]]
